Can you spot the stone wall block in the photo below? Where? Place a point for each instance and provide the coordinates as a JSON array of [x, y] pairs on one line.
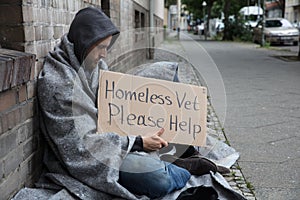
[[12, 161], [27, 14], [38, 67], [57, 32], [24, 170], [13, 117], [4, 125], [17, 69], [38, 32], [23, 132], [35, 14], [22, 93], [21, 74], [8, 142], [26, 111], [29, 147], [31, 89], [29, 32], [7, 99], [47, 33], [6, 69]]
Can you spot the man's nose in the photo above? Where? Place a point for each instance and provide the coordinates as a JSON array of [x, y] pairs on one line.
[[103, 53]]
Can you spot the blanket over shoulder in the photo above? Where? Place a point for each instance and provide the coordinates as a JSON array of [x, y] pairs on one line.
[[67, 102]]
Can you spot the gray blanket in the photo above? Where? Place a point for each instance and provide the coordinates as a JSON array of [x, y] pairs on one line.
[[82, 163], [67, 98]]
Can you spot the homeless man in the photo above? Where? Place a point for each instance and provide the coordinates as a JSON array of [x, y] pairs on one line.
[[106, 164], [70, 125]]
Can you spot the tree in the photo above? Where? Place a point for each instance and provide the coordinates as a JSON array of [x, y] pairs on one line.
[[226, 33], [209, 7], [233, 29], [170, 2], [214, 8], [196, 7]]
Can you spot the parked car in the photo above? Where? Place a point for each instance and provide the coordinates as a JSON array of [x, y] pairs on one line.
[[276, 31]]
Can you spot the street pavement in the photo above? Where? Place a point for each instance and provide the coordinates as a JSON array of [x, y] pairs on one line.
[[256, 97]]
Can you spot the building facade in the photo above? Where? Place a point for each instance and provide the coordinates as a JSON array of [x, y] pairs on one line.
[[273, 9], [292, 11], [29, 29], [36, 26]]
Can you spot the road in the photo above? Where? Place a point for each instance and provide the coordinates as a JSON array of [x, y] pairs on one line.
[[260, 111]]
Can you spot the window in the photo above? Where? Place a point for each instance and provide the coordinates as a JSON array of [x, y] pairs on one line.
[[143, 20], [105, 6], [137, 19]]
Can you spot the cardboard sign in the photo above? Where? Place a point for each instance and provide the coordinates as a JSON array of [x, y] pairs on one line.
[[132, 105]]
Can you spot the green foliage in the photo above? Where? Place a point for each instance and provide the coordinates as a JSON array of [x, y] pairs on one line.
[[170, 2], [249, 186], [236, 30], [267, 44], [235, 6], [217, 9], [195, 7]]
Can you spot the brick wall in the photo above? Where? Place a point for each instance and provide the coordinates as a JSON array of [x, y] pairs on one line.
[[45, 21], [132, 47], [20, 150], [35, 27]]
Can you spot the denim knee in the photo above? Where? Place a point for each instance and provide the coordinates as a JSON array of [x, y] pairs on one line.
[[161, 187], [178, 176], [152, 184], [167, 180], [143, 175]]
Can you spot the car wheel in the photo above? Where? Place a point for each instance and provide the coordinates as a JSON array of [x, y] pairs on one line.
[[295, 43]]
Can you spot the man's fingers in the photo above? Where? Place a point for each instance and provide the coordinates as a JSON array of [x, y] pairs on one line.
[[164, 143], [160, 132]]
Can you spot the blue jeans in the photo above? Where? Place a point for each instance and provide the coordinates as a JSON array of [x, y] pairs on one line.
[[146, 175]]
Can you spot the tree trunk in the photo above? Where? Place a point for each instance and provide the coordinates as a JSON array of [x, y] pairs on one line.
[[282, 7], [226, 35], [209, 6]]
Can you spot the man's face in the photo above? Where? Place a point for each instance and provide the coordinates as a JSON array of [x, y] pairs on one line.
[[96, 52]]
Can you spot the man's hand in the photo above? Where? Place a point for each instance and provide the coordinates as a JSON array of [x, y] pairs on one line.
[[154, 142]]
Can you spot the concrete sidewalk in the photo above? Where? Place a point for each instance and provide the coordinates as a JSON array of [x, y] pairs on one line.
[[174, 50], [262, 116]]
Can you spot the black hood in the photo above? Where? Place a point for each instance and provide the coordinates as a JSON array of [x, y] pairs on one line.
[[89, 26]]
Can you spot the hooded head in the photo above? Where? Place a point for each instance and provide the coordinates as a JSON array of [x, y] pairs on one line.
[[90, 26]]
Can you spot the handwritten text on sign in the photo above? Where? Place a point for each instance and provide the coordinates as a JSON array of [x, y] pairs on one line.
[[132, 105]]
